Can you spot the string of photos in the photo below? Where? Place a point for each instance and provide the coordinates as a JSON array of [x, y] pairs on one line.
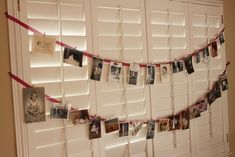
[[34, 97]]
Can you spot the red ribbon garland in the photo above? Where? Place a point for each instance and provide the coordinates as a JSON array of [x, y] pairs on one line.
[[14, 19]]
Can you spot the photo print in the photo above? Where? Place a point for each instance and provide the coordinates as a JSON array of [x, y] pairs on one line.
[[34, 104], [194, 111], [185, 119], [217, 89], [211, 96], [221, 38], [59, 110], [97, 67], [224, 82], [189, 64], [197, 57], [73, 57], [177, 66], [43, 44], [206, 55], [165, 72], [95, 128], [79, 116], [111, 125], [136, 129], [214, 49], [133, 74], [123, 129], [150, 130], [174, 122], [150, 76], [202, 106], [163, 125], [115, 72]]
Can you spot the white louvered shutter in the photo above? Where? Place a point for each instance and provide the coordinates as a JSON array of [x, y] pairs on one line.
[[210, 130], [119, 34], [167, 40], [67, 21]]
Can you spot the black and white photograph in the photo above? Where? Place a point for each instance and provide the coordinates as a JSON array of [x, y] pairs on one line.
[[185, 119], [221, 38], [111, 125], [97, 68], [150, 130], [79, 116], [123, 129], [177, 66], [224, 82], [217, 89], [95, 128], [136, 129], [133, 74], [211, 97], [163, 125], [59, 110], [214, 49], [174, 122], [197, 57], [115, 72], [73, 57], [150, 76], [206, 55], [34, 104], [189, 64], [43, 44], [194, 111], [165, 72], [202, 106]]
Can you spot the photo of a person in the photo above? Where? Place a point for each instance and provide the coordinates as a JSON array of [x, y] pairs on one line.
[[206, 55], [165, 72], [174, 122], [59, 110], [150, 76], [224, 82], [177, 66], [194, 111], [185, 119], [133, 74], [214, 48], [197, 58], [34, 104], [163, 125], [95, 128], [202, 106], [189, 65], [115, 72], [221, 38], [73, 57], [150, 130], [96, 69]]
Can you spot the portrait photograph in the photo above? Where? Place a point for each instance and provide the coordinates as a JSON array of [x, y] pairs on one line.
[[165, 72], [115, 72], [211, 97], [150, 75], [73, 57], [111, 125], [194, 111], [133, 74], [185, 119], [224, 82], [150, 130], [163, 125], [174, 122], [95, 128], [214, 49], [59, 110], [217, 89], [206, 55], [197, 57], [97, 67], [177, 66], [202, 106], [189, 64], [34, 104], [123, 129], [221, 38], [79, 116]]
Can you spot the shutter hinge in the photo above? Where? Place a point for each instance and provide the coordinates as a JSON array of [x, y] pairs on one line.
[[18, 3], [227, 137]]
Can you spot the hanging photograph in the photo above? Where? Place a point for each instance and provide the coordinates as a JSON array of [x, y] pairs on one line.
[[34, 104], [177, 66], [111, 125], [115, 72], [217, 89], [123, 129], [79, 116], [136, 129], [97, 67], [197, 57], [95, 128], [59, 110], [202, 106], [43, 44], [150, 130], [165, 72], [150, 76], [189, 64], [206, 55], [221, 38], [214, 49], [194, 111], [163, 125], [224, 82], [211, 96], [133, 74], [73, 57], [174, 122], [185, 119]]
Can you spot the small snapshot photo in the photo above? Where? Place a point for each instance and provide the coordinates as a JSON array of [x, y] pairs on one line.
[[59, 110], [73, 57], [221, 38], [211, 97], [150, 130], [197, 57], [115, 72], [224, 82], [150, 76], [97, 67], [189, 65], [202, 106], [123, 129], [214, 49], [177, 66], [79, 116], [136, 129], [175, 122], [34, 104], [43, 44], [185, 119], [165, 72], [133, 74], [194, 111], [206, 55], [217, 89], [111, 125], [163, 125], [95, 128]]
